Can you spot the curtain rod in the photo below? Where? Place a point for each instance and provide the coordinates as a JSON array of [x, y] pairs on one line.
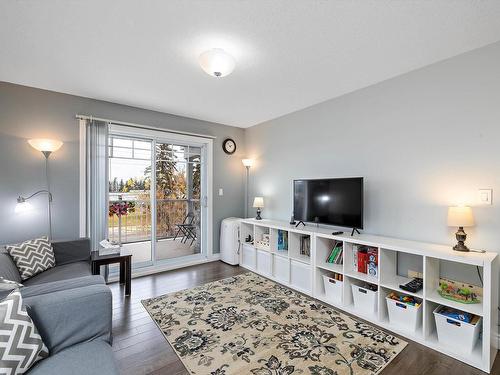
[[87, 117]]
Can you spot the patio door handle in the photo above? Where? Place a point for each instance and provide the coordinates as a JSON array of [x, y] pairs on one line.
[[205, 201]]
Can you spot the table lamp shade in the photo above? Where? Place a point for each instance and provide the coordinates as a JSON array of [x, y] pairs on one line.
[[258, 202], [460, 216]]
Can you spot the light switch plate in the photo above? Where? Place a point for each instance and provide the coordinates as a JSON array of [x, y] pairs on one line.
[[221, 192], [485, 197]]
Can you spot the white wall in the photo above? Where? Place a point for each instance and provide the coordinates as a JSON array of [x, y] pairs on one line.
[[423, 141]]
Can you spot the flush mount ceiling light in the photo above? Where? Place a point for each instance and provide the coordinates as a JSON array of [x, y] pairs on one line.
[[217, 62]]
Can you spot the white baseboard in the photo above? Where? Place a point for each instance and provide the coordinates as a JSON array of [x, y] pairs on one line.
[[167, 267]]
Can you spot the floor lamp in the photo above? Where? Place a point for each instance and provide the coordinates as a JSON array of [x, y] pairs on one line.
[[247, 163], [46, 147]]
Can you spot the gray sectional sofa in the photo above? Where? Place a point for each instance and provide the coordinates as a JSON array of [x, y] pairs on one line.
[[72, 310]]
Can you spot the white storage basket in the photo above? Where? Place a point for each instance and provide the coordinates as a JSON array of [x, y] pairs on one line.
[[460, 336], [333, 289], [365, 300], [403, 315]]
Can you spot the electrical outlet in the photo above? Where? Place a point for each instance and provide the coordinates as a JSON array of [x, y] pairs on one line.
[[415, 274], [485, 197]]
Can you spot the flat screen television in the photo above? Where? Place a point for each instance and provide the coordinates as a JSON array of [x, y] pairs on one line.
[[333, 201]]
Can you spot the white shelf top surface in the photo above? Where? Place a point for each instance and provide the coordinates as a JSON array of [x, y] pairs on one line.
[[407, 246]]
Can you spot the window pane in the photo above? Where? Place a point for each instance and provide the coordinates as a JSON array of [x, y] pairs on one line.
[[142, 145], [119, 152], [120, 142], [142, 154]]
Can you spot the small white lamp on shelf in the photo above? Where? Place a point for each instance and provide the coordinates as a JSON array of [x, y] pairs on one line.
[[460, 216], [258, 203]]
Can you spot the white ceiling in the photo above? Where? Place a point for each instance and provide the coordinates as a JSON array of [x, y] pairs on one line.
[[290, 54]]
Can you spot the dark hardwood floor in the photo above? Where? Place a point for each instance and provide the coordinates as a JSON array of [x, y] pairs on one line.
[[140, 348]]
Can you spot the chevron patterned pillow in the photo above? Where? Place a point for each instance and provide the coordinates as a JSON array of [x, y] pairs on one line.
[[20, 343], [32, 257]]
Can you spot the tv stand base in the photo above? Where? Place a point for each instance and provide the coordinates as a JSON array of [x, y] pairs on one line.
[[354, 230], [300, 222]]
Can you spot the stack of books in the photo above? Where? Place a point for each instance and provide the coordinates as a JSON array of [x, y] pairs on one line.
[[337, 254]]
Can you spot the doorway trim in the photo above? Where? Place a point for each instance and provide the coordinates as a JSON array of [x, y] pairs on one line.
[[158, 135]]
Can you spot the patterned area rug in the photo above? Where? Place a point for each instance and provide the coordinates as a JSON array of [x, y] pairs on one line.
[[250, 325]]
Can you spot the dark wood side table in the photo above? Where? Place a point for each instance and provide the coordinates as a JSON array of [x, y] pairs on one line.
[[125, 260]]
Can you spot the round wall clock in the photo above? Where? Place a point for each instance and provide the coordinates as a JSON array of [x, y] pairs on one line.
[[229, 146]]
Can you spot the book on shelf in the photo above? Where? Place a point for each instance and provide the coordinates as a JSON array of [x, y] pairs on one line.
[[365, 260], [282, 240], [336, 256], [305, 245]]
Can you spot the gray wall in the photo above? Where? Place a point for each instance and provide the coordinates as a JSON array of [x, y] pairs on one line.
[[30, 113], [423, 141]]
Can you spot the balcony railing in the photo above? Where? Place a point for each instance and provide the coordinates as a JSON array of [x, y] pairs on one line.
[[136, 226]]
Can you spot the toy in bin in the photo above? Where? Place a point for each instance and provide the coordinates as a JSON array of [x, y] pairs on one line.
[[409, 300], [459, 315]]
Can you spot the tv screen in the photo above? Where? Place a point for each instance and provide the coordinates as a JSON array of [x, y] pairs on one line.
[[334, 201]]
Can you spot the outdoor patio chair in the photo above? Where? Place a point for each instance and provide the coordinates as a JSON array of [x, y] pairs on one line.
[[186, 228]]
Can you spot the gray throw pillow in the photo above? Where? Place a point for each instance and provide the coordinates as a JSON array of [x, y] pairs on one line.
[[32, 257], [21, 345]]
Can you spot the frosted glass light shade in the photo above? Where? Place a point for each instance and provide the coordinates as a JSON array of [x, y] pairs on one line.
[[247, 162], [23, 207], [460, 216], [45, 145], [258, 202], [217, 62]]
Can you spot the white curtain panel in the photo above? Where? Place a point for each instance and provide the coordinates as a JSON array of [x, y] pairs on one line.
[[96, 181]]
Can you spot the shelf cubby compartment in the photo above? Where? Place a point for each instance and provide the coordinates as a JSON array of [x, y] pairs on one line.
[[248, 256], [394, 267], [324, 247], [369, 308], [300, 276], [335, 293], [435, 269], [260, 232], [350, 268], [299, 246], [431, 336], [279, 241], [246, 232], [399, 324]]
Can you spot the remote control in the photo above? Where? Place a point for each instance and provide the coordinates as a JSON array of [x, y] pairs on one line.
[[413, 286], [337, 233]]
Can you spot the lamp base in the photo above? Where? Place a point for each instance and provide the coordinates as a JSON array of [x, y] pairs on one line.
[[258, 214], [461, 236]]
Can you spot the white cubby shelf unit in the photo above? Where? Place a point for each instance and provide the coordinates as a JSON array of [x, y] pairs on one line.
[[305, 273]]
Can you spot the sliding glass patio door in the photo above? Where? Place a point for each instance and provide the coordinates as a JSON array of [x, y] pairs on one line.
[[178, 208], [158, 195]]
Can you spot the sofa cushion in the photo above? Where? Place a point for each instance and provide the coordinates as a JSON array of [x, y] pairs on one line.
[[32, 257], [64, 272], [20, 341], [8, 269], [72, 251], [90, 358], [56, 286]]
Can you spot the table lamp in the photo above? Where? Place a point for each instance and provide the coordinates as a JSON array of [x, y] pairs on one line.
[[460, 216], [258, 203]]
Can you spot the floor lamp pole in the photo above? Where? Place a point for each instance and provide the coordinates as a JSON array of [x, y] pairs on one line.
[[49, 195], [246, 191]]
